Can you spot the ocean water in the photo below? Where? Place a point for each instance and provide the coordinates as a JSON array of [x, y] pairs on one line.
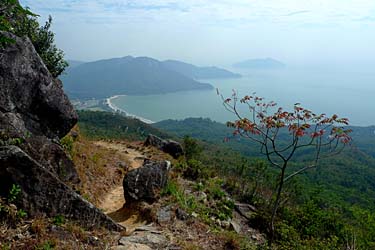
[[345, 93]]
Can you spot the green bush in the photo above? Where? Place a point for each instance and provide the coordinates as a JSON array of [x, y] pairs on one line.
[[59, 220], [67, 143], [22, 22], [14, 193]]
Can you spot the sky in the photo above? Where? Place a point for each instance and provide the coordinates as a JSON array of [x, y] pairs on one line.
[[215, 32]]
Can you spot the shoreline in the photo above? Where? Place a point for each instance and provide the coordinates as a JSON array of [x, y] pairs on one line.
[[116, 109]]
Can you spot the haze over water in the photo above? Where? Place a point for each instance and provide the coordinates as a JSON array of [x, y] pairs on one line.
[[346, 93]]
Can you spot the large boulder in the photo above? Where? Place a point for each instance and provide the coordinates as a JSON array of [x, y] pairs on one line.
[[31, 100], [168, 146], [144, 183], [34, 107], [34, 114], [51, 155], [43, 193]]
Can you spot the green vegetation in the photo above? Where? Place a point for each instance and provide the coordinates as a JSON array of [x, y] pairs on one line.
[[59, 220], [22, 22], [14, 193], [5, 140], [328, 208], [9, 212], [100, 125]]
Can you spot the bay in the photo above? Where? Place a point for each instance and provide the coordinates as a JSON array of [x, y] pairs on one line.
[[348, 94]]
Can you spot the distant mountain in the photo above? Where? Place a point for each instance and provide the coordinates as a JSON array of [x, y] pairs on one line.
[[74, 63], [260, 63], [195, 72], [126, 75]]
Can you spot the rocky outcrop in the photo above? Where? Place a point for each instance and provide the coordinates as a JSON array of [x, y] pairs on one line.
[[34, 107], [43, 193], [144, 183], [168, 146], [51, 155], [31, 100], [34, 114]]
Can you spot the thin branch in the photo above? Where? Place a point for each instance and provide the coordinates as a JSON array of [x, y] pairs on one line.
[[299, 172]]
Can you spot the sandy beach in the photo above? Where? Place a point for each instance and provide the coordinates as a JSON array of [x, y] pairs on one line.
[[117, 109]]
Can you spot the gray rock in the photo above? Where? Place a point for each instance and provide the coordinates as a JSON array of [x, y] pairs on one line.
[[155, 241], [202, 196], [144, 183], [43, 193], [168, 146], [235, 226], [51, 155], [131, 246], [31, 100], [123, 165], [33, 106], [164, 215], [245, 209], [181, 214], [225, 224]]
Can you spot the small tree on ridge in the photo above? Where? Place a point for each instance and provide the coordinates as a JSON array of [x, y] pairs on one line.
[[300, 129]]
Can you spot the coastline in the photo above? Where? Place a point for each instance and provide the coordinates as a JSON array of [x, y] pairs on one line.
[[116, 109]]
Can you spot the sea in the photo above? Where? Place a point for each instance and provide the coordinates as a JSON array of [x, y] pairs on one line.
[[347, 93]]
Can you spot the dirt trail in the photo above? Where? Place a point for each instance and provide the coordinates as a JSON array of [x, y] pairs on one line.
[[113, 202]]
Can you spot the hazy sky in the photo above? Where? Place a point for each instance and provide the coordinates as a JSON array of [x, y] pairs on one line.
[[217, 32]]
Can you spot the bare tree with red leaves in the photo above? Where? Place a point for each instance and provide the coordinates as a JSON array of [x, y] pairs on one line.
[[266, 123]]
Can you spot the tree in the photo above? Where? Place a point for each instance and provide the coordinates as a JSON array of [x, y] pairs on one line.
[[281, 134], [192, 148], [22, 22]]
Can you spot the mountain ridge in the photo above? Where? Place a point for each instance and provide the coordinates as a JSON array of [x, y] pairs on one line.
[[126, 75]]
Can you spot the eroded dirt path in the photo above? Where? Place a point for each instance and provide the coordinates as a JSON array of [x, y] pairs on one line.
[[113, 202]]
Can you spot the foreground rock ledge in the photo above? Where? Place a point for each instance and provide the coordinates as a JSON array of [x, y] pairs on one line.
[[44, 193]]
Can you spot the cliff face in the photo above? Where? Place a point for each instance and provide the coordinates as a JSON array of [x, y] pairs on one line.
[[35, 113]]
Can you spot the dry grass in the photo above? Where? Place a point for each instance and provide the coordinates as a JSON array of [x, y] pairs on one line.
[[100, 164], [42, 233]]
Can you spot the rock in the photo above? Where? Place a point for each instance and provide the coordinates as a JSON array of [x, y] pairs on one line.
[[235, 226], [123, 165], [244, 209], [168, 146], [201, 196], [155, 241], [132, 246], [31, 100], [225, 224], [144, 183], [164, 215], [34, 107], [194, 214], [43, 193], [74, 135], [51, 155], [181, 214], [173, 247], [218, 222], [148, 228], [35, 111]]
